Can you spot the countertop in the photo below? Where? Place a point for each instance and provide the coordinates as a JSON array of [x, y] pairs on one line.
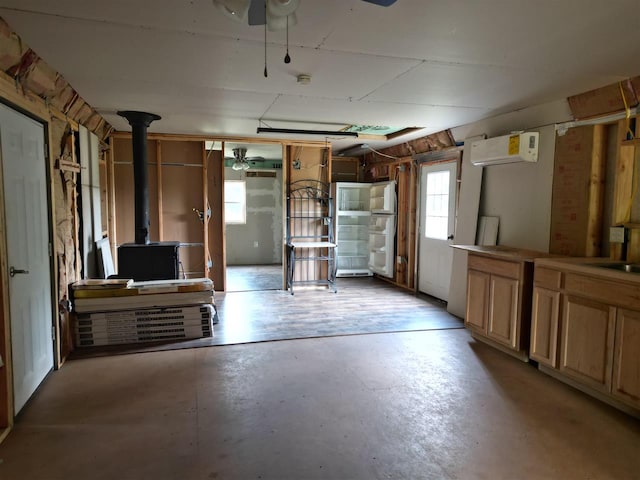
[[588, 266], [504, 252]]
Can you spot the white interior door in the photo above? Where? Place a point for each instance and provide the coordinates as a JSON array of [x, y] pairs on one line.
[[27, 227], [437, 220]]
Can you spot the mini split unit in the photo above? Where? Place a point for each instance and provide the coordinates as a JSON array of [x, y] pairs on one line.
[[519, 147]]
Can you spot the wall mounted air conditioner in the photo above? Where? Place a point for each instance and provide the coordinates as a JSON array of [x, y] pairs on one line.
[[519, 147]]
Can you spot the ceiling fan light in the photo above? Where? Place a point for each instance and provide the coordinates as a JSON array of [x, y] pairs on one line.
[[237, 165], [275, 23], [245, 166], [282, 8], [236, 9]]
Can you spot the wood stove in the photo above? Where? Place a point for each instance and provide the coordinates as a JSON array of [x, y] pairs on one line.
[[144, 260]]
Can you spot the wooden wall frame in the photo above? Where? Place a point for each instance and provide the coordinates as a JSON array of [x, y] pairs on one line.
[[312, 156]]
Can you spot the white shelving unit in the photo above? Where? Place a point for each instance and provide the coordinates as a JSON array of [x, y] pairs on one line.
[[381, 244], [365, 228], [352, 228], [382, 228]]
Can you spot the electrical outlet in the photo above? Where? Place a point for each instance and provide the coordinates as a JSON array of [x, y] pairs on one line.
[[255, 244], [616, 234]]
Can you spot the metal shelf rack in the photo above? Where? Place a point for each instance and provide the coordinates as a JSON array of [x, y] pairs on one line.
[[311, 249]]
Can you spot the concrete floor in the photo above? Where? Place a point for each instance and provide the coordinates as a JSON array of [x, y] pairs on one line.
[[412, 405]]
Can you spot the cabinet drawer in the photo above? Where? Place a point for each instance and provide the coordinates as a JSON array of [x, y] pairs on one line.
[[621, 294], [491, 265], [547, 278]]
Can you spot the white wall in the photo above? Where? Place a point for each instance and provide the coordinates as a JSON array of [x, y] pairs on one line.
[[520, 194], [264, 223]]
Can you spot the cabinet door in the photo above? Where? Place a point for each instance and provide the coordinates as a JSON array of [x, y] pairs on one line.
[[586, 347], [545, 317], [626, 362], [503, 310], [477, 295]]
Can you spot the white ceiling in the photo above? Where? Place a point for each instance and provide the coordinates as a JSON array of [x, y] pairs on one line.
[[435, 64]]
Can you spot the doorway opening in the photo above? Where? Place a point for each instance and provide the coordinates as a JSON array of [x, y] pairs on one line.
[[253, 194]]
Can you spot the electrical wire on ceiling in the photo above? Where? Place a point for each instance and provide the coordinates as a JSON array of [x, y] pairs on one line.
[[627, 113], [381, 154]]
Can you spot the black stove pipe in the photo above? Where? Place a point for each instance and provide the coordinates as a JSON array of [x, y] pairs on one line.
[[139, 122]]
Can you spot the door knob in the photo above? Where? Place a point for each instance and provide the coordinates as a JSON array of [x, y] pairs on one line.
[[450, 237], [14, 271]]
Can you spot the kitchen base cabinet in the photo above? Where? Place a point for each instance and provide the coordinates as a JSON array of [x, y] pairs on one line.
[[499, 287], [586, 329]]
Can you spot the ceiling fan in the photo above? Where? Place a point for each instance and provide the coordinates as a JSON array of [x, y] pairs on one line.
[[242, 161], [276, 14]]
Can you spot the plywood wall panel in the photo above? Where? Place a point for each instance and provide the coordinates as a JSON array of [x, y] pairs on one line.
[[181, 193], [192, 261], [314, 164], [181, 152], [124, 193]]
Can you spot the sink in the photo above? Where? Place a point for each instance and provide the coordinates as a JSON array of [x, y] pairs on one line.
[[621, 267]]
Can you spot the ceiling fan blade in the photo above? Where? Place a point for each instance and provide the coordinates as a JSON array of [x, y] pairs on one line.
[[382, 3], [257, 14]]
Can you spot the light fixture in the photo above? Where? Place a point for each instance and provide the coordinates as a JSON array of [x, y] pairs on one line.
[[355, 150], [304, 79], [240, 162], [236, 9], [282, 8], [281, 14], [326, 133]]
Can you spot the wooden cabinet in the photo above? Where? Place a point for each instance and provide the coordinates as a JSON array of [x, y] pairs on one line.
[[585, 330], [545, 319], [586, 346], [626, 362], [499, 302], [503, 310], [477, 295]]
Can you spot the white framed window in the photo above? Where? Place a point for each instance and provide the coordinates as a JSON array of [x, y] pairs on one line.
[[235, 202], [437, 206]]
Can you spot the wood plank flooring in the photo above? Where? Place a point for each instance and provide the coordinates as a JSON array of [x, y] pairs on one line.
[[361, 306], [246, 278]]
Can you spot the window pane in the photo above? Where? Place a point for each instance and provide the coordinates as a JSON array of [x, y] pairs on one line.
[[235, 198], [437, 205]]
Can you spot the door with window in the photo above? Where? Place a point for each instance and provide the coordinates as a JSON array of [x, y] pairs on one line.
[[437, 221], [28, 261]]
